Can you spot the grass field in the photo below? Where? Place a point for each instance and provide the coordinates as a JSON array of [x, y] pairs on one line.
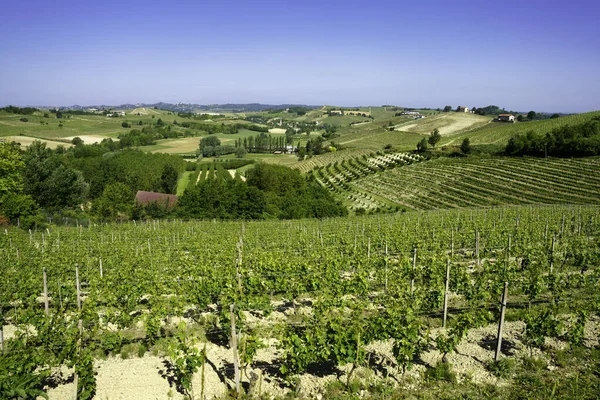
[[448, 124]]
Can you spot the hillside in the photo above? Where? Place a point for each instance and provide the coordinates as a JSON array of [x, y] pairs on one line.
[[466, 182]]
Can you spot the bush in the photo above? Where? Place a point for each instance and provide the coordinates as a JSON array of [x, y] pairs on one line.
[[441, 372], [502, 368]]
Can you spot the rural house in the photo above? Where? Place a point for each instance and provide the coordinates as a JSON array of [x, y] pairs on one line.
[[462, 109], [506, 118], [144, 198]]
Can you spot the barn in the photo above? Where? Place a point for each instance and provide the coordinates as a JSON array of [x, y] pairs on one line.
[[143, 198], [506, 118]]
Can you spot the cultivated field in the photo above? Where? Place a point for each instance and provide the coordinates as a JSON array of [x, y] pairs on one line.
[[353, 304]]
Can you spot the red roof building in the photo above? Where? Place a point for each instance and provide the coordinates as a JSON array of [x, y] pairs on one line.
[[143, 198]]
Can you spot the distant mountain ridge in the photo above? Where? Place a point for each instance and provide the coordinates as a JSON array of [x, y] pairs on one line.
[[191, 107]]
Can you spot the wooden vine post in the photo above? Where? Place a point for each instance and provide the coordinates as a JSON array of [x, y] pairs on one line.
[[236, 361], [501, 323], [414, 266], [446, 293], [477, 247], [369, 248], [386, 267], [238, 264], [79, 325], [1, 327], [552, 253], [46, 308]]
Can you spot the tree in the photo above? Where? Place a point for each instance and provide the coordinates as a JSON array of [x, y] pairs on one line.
[[209, 141], [434, 137], [422, 146], [465, 146], [11, 164], [77, 141], [116, 202], [447, 108], [125, 124], [59, 114], [555, 115], [169, 179], [240, 152], [520, 118], [531, 115]]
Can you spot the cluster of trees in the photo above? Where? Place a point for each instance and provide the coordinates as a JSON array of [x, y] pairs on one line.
[[19, 110], [264, 143], [211, 146], [39, 182], [579, 140], [435, 137], [299, 110], [212, 128], [270, 191]]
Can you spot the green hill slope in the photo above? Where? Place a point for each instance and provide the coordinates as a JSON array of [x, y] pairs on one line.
[[498, 133], [469, 182]]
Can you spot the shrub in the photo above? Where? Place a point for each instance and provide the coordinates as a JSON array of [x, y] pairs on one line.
[[441, 372], [502, 368]]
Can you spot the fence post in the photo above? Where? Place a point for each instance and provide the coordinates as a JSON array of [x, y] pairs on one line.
[[501, 324]]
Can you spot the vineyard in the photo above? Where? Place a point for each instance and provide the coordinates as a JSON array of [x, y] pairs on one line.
[[338, 175], [463, 182], [272, 308], [499, 133]]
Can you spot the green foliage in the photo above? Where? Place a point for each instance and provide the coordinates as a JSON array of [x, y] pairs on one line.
[[422, 145], [441, 372], [187, 359], [169, 179], [503, 368], [222, 199], [465, 146], [290, 196], [11, 164], [567, 141], [576, 332], [20, 374], [116, 202], [49, 180], [84, 367], [539, 325], [111, 342], [434, 137]]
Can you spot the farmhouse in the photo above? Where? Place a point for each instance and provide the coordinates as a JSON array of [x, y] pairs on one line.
[[144, 198], [336, 112], [506, 118], [462, 109]]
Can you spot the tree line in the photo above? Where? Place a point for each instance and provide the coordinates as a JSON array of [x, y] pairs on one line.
[[579, 140]]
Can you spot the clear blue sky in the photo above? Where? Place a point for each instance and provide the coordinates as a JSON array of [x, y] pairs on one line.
[[522, 55]]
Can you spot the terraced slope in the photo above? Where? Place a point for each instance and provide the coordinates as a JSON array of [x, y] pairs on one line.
[[475, 182], [337, 177]]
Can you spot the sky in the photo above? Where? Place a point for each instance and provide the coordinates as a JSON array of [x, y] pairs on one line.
[[521, 55]]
